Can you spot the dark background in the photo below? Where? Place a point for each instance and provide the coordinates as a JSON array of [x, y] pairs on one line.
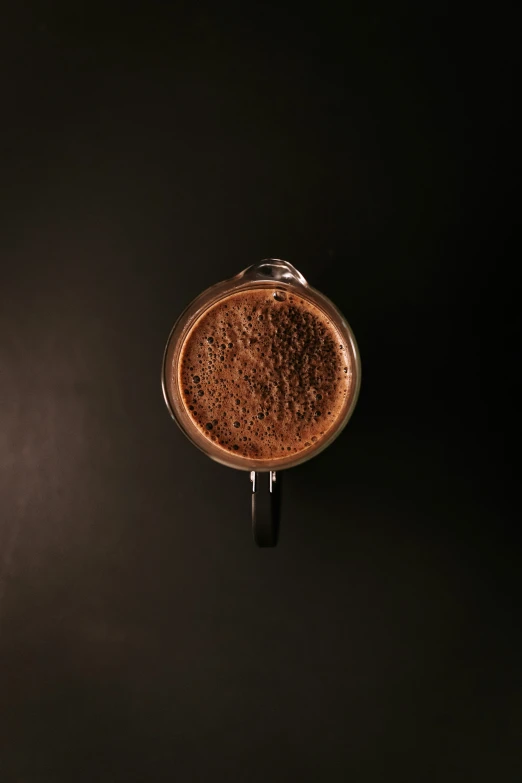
[[149, 150]]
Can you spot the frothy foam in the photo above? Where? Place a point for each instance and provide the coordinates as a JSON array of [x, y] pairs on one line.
[[264, 374]]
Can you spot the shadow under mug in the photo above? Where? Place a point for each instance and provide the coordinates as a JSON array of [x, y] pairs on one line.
[[274, 275]]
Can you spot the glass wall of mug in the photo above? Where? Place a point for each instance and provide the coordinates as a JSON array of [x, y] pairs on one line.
[[277, 278]]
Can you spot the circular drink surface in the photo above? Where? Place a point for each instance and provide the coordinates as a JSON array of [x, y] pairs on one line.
[[264, 374]]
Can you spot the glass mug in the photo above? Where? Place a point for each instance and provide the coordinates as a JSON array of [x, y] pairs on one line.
[[278, 278]]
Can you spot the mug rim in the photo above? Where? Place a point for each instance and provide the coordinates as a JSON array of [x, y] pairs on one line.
[[187, 319]]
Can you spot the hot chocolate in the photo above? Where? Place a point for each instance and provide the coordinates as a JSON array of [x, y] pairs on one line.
[[264, 374]]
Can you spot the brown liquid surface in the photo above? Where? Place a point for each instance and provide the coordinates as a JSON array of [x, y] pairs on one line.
[[264, 374]]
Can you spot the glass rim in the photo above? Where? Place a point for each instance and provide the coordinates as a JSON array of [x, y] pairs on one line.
[[176, 339]]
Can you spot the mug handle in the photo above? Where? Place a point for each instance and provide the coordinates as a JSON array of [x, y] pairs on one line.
[[266, 503]]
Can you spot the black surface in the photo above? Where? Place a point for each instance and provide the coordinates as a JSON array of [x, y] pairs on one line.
[[149, 150]]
